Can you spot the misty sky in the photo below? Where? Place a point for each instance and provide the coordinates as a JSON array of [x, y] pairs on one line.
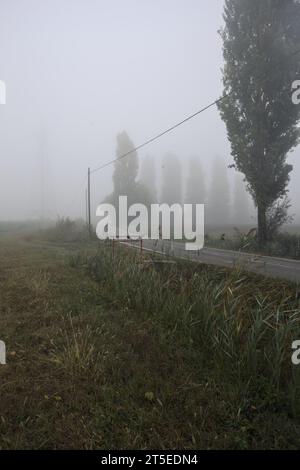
[[80, 71]]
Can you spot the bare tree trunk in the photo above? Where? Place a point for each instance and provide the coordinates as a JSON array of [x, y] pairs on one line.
[[262, 224]]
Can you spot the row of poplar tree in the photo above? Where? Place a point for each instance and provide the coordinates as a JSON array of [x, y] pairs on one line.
[[166, 182]]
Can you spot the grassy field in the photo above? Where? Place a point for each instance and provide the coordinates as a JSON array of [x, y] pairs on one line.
[[118, 352]]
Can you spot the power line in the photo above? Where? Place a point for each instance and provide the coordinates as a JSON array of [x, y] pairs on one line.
[[158, 136], [170, 129]]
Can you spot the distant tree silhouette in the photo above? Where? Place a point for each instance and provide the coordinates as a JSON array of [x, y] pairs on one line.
[[126, 169], [195, 192], [171, 180], [125, 175]]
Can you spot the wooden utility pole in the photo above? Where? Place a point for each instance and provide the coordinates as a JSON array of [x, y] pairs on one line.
[[89, 201], [86, 208]]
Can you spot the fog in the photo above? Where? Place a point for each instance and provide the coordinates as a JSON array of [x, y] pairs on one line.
[[78, 72]]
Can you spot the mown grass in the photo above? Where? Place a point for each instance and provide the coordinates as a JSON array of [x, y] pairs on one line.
[[116, 352]]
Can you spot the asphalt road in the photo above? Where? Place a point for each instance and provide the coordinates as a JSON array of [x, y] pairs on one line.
[[275, 267]]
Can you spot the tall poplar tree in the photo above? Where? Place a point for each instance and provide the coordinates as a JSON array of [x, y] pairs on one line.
[[260, 43]]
